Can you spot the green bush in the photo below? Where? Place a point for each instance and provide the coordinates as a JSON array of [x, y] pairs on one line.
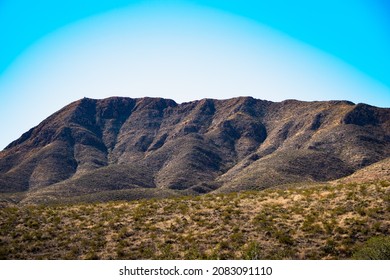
[[252, 252], [376, 248]]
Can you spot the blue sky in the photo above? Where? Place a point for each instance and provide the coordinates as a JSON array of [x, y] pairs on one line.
[[59, 51]]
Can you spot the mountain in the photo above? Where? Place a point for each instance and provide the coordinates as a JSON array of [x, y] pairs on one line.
[[124, 148]]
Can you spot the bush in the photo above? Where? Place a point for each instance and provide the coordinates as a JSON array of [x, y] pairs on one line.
[[376, 248], [252, 252]]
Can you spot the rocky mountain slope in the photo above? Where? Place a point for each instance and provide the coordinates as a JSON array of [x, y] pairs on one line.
[[379, 171], [123, 148]]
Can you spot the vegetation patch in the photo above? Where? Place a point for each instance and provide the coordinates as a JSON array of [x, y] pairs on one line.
[[299, 222]]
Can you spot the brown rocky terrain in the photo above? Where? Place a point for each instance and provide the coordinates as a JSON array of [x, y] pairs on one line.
[[379, 171], [123, 148]]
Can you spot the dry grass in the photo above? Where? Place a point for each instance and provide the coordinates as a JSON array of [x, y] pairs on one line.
[[301, 222]]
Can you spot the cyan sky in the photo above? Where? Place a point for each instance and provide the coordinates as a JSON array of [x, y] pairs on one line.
[[357, 31], [53, 52]]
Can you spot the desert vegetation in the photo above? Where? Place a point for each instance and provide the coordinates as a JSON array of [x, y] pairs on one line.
[[328, 221]]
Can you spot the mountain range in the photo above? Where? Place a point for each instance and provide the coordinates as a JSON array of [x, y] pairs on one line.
[[124, 148]]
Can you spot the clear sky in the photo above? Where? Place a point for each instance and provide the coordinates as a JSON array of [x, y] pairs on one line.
[[55, 52]]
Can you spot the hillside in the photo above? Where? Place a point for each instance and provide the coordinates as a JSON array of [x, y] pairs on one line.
[[124, 148], [299, 222], [377, 171]]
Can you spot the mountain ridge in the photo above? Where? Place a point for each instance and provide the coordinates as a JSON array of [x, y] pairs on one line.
[[124, 144]]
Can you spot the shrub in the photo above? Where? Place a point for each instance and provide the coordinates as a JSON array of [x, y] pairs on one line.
[[376, 248], [252, 252]]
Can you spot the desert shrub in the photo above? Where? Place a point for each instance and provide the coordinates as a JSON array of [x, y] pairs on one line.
[[252, 252], [330, 247], [167, 251], [4, 252], [92, 255], [284, 237], [284, 253], [384, 183], [194, 253], [376, 248]]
